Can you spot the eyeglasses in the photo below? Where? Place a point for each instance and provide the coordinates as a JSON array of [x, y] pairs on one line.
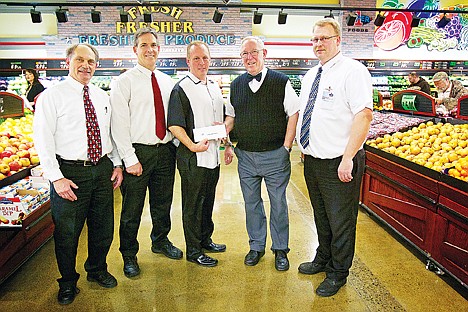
[[253, 53], [323, 39]]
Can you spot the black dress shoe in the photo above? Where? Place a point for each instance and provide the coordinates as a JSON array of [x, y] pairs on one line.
[[168, 250], [67, 294], [329, 287], [253, 257], [213, 247], [131, 267], [104, 279], [204, 260], [281, 260], [311, 268]]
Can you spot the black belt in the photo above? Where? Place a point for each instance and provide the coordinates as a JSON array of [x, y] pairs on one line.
[[80, 163], [150, 145]]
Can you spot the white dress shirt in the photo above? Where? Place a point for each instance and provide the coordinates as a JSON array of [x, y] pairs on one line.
[[60, 125], [345, 89], [291, 102], [134, 118]]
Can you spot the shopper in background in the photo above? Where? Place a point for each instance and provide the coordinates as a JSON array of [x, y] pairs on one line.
[[197, 102], [418, 83], [34, 86], [448, 93], [72, 137], [334, 118], [263, 110], [139, 100]]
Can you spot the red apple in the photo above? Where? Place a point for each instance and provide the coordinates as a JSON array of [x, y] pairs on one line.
[[6, 154], [23, 146], [4, 168], [5, 134], [13, 149], [15, 166]]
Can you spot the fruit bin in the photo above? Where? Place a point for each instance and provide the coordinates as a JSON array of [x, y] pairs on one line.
[[463, 108]]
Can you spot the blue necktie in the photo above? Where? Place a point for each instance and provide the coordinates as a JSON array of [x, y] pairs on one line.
[[304, 139], [257, 77]]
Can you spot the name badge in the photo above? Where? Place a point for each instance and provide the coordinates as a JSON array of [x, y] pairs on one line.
[[327, 95]]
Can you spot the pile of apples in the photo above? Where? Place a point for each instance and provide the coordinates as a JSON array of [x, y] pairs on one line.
[[17, 150], [438, 146]]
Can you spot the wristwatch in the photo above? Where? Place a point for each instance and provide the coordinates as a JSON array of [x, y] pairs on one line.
[[118, 166], [289, 149]]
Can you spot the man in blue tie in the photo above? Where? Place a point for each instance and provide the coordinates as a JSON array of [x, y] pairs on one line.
[[334, 118], [263, 111]]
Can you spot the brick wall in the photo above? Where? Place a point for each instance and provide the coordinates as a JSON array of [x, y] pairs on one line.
[[358, 41], [234, 26]]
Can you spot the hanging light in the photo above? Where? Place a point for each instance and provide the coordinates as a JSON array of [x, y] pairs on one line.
[[123, 15], [147, 17], [61, 14], [351, 19], [257, 17], [330, 15], [217, 16], [443, 21], [95, 16], [379, 19], [35, 16], [282, 17], [415, 21]]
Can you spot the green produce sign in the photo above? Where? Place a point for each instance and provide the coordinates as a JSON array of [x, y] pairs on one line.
[[408, 102]]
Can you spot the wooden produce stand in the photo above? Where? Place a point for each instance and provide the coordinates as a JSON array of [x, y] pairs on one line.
[[427, 208], [414, 101]]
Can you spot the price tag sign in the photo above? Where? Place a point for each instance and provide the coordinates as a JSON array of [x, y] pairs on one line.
[[408, 102]]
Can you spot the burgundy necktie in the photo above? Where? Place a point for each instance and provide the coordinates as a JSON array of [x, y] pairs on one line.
[[92, 129], [159, 109]]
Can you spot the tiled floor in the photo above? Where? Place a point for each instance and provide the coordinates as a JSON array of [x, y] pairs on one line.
[[385, 275]]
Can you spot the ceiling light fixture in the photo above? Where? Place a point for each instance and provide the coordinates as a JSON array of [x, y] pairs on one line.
[[95, 16], [379, 19], [217, 16], [257, 17], [282, 17], [35, 15], [330, 15], [351, 19], [415, 21], [61, 14], [123, 15], [443, 21], [147, 17]]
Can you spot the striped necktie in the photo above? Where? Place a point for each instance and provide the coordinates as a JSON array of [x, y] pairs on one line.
[[305, 128]]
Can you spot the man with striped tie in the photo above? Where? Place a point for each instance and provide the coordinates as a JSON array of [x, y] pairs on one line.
[[334, 118]]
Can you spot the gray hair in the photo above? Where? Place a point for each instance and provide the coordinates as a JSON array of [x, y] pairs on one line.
[[144, 31], [71, 49], [259, 41]]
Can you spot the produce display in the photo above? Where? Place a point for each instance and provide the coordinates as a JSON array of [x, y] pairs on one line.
[[385, 123], [438, 146], [17, 150]]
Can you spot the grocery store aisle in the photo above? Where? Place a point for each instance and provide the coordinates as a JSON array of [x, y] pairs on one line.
[[385, 276]]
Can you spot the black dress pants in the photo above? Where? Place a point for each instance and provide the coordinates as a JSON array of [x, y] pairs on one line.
[[335, 205], [158, 162], [95, 206], [198, 196]]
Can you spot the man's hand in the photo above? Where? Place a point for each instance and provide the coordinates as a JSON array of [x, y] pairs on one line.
[[117, 177], [344, 170], [63, 187], [228, 154], [200, 146], [135, 169]]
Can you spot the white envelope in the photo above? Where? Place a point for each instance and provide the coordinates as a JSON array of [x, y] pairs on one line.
[[210, 133]]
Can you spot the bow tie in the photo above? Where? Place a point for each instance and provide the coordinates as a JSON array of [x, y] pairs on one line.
[[257, 77]]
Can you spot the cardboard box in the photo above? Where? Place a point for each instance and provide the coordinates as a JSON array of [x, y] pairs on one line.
[[11, 212]]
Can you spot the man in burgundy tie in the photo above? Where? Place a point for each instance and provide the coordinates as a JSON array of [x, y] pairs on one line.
[[72, 137], [139, 99]]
